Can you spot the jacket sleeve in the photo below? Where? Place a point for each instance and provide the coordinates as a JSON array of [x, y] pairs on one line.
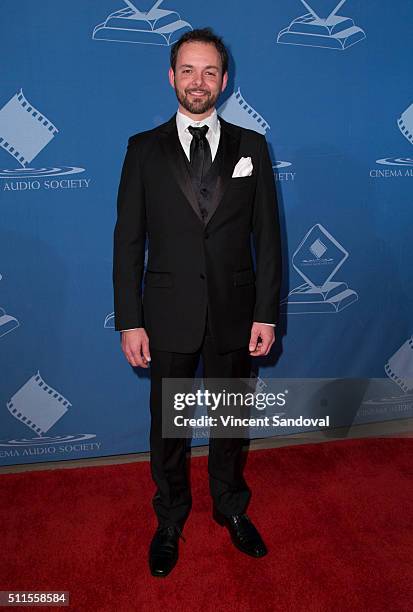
[[267, 241], [129, 243]]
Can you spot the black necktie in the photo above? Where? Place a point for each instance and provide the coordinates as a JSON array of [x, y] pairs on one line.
[[199, 152]]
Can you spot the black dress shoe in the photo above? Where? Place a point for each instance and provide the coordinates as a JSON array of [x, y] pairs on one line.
[[244, 534], [163, 551]]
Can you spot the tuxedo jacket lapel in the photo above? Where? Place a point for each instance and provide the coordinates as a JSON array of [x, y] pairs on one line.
[[229, 140], [174, 153]]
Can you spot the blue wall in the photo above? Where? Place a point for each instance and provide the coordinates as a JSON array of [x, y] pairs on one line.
[[335, 104]]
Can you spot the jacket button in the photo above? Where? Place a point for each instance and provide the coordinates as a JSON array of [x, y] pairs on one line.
[[202, 275]]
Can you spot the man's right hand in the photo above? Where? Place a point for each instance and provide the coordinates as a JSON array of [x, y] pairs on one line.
[[135, 345]]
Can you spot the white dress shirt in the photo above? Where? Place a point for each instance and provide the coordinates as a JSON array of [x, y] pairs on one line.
[[212, 135], [185, 137]]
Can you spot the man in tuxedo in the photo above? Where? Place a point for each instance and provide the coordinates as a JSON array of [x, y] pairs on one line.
[[197, 187]]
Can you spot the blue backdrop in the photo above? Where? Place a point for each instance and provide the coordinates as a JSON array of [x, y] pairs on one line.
[[329, 84]]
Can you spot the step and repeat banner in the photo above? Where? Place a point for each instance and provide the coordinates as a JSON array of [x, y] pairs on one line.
[[329, 84]]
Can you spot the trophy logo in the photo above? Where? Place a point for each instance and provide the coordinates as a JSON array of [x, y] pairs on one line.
[[7, 322], [405, 123], [147, 24], [322, 27], [24, 133], [317, 259], [237, 110], [38, 406]]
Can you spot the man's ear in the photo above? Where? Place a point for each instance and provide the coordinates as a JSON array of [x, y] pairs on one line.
[[171, 76], [224, 81]]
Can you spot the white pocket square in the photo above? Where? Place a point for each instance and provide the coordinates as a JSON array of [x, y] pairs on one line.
[[243, 168]]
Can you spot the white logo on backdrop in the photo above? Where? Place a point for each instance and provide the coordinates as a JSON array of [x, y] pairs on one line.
[[282, 175], [24, 133], [322, 27], [317, 259], [399, 369], [38, 406], [405, 123], [147, 24], [7, 322], [400, 366], [237, 110]]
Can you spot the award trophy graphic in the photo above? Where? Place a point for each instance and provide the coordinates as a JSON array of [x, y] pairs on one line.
[[149, 25], [317, 259], [237, 110], [322, 27], [7, 322]]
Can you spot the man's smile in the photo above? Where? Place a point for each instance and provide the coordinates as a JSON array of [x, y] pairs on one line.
[[198, 93]]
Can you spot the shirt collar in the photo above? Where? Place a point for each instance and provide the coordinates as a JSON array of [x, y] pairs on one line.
[[212, 121]]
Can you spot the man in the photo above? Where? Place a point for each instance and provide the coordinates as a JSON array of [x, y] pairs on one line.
[[197, 186]]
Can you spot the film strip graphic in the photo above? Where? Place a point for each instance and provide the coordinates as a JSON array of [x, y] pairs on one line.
[[18, 410], [405, 124], [251, 111], [400, 366], [35, 130]]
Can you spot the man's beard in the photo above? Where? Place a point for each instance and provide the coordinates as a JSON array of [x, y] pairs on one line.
[[197, 106]]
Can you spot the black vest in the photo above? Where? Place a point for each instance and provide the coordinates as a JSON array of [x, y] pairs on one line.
[[205, 190]]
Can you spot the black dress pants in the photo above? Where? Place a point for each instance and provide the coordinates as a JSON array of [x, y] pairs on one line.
[[229, 491]]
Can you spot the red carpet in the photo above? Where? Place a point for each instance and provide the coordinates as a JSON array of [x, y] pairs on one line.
[[337, 518]]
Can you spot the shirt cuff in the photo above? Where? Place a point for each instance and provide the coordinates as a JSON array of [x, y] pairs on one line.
[[272, 324]]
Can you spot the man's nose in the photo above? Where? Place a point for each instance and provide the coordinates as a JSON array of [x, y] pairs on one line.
[[198, 80]]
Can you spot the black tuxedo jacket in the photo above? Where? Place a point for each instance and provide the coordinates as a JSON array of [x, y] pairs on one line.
[[194, 264]]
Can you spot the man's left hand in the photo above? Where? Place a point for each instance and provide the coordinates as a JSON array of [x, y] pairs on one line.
[[261, 340]]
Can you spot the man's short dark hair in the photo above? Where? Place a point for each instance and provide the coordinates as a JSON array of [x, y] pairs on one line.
[[205, 35]]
